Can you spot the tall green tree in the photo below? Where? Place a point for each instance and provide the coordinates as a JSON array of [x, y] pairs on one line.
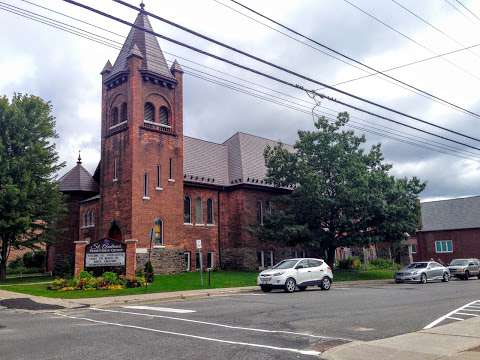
[[343, 195], [30, 201]]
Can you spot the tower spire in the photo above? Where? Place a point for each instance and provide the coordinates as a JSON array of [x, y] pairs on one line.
[[79, 160], [142, 5]]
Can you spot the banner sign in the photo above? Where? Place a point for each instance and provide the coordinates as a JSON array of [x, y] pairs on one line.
[[103, 253]]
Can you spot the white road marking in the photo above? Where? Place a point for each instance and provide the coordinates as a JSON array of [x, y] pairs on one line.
[[449, 315], [298, 351], [470, 309], [159, 308], [462, 313], [223, 325]]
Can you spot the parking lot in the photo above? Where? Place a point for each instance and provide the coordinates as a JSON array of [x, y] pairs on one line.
[[242, 326]]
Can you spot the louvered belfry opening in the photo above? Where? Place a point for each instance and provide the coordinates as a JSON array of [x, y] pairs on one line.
[[149, 112]]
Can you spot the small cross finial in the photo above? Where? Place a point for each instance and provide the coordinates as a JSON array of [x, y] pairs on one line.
[[142, 5], [79, 161]]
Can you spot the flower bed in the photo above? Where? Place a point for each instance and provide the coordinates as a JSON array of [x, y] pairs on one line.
[[86, 281]]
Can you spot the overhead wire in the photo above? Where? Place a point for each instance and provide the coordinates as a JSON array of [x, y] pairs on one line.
[[442, 146]]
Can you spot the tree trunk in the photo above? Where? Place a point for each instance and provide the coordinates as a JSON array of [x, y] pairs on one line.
[[330, 255], [3, 261]]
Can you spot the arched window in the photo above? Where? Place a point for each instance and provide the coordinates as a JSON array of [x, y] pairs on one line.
[[90, 218], [123, 112], [114, 117], [158, 231], [149, 112], [209, 211], [85, 219], [198, 211], [187, 210], [164, 116]]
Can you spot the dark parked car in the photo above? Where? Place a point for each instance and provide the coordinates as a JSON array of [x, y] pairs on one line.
[[464, 268], [422, 272]]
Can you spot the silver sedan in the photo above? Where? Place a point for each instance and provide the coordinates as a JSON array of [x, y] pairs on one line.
[[422, 272]]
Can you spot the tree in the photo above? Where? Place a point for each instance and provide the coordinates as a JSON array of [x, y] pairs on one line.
[[343, 195], [30, 201]]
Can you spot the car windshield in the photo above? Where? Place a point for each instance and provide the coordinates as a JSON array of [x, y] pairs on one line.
[[459, 262], [285, 264], [417, 265]]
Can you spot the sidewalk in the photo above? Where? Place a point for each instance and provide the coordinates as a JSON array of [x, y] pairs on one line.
[[161, 296], [455, 341]]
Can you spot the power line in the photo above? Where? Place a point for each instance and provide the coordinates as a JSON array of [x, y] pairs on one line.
[[466, 8], [285, 82], [432, 26], [257, 59], [451, 150], [376, 71], [409, 38]]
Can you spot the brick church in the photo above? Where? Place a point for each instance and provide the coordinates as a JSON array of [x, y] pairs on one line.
[[162, 190]]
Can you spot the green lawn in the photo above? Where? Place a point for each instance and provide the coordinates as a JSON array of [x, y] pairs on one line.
[[184, 281]]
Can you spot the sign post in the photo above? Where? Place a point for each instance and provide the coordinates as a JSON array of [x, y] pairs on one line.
[[199, 248]]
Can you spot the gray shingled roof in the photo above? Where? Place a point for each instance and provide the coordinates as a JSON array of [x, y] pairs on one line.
[[238, 160], [153, 59], [78, 179], [461, 213]]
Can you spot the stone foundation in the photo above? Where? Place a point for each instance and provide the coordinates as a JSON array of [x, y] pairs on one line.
[[164, 260]]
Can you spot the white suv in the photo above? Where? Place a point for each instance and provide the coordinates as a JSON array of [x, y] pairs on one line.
[[292, 273]]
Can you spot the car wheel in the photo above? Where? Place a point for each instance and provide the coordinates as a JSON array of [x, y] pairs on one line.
[[290, 285], [423, 279], [398, 281], [467, 275], [445, 277], [302, 288], [326, 283], [266, 288], [478, 276]]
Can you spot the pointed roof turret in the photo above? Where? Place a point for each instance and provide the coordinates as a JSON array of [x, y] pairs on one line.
[[176, 67], [147, 46], [78, 179], [107, 68]]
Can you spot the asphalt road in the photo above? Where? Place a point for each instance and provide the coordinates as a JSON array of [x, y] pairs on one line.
[[242, 326]]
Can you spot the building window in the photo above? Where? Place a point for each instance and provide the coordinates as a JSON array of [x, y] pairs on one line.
[[145, 186], [209, 211], [170, 169], [90, 218], [264, 259], [186, 260], [85, 219], [443, 246], [149, 112], [210, 260], [159, 182], [158, 232], [123, 112], [187, 210], [115, 174], [198, 211], [259, 212], [268, 207], [197, 260], [114, 117], [414, 248], [163, 116]]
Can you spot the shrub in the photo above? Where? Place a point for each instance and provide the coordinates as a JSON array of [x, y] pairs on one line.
[[383, 264], [139, 281], [85, 275], [57, 284], [148, 272], [34, 259], [350, 263], [15, 264], [111, 278]]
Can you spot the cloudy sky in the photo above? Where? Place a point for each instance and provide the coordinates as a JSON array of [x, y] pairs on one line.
[[64, 68]]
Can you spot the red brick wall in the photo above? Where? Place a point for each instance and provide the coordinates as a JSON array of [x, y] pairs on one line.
[[87, 231], [208, 233], [466, 244]]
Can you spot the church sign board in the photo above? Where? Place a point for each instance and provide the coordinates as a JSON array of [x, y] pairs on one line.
[[105, 253]]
